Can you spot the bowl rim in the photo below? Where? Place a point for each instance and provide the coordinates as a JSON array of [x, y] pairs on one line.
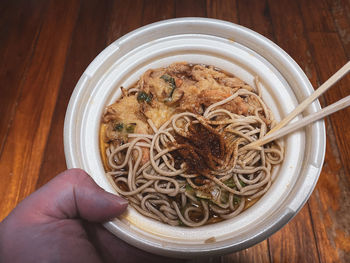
[[70, 127]]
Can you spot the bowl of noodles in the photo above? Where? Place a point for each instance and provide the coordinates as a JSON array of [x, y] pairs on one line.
[[164, 117]]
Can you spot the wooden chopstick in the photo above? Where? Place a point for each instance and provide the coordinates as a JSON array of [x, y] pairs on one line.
[[278, 131], [341, 104], [302, 106]]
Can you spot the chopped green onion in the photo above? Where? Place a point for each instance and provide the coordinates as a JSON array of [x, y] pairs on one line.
[[189, 188], [171, 81], [230, 183], [130, 127], [236, 200], [181, 223], [119, 127], [242, 183], [168, 79], [143, 96], [224, 197]]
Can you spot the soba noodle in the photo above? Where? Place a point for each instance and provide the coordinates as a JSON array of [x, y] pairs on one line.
[[197, 172]]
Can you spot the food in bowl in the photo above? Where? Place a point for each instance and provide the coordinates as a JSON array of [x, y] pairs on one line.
[[175, 145]]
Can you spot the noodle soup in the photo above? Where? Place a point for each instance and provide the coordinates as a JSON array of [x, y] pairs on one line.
[[174, 145]]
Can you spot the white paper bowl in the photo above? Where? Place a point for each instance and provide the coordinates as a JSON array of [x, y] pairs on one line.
[[232, 48]]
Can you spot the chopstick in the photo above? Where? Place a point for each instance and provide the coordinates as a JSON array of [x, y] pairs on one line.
[[279, 130], [339, 105], [325, 86]]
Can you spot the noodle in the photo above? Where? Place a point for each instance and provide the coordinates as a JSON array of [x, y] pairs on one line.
[[191, 169]]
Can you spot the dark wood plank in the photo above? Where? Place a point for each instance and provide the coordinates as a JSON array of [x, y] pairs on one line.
[[257, 254], [330, 204], [330, 44], [340, 10], [125, 16], [156, 10], [324, 205], [25, 144], [190, 8], [320, 21], [256, 15], [291, 36], [295, 242], [87, 42], [89, 38], [15, 53], [216, 259], [260, 20], [4, 7], [224, 10]]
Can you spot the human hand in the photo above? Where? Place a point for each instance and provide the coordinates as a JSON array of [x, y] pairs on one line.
[[60, 223]]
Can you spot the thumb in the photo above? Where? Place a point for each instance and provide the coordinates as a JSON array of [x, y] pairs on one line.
[[73, 194]]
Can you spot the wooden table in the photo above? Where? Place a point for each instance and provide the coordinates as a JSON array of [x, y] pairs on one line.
[[45, 45]]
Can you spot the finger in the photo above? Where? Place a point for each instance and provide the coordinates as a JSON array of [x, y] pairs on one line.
[[73, 194]]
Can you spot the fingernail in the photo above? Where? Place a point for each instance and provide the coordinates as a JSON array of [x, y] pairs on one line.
[[121, 201]]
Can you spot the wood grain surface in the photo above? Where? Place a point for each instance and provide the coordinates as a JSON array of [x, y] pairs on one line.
[[46, 45]]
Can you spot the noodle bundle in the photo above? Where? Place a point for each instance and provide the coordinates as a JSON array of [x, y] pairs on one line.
[[190, 168]]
